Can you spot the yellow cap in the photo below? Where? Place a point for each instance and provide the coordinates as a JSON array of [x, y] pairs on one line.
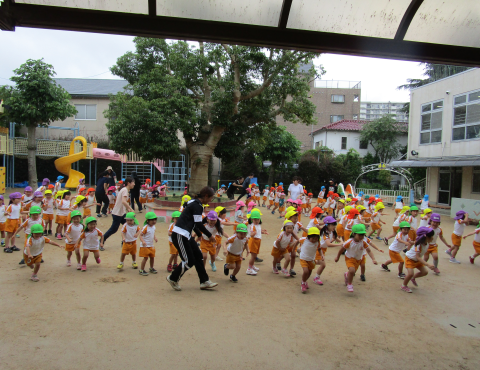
[[425, 211], [348, 199], [313, 231], [347, 209], [79, 199], [288, 222], [379, 206], [361, 208], [219, 209], [342, 201], [404, 209], [290, 214], [48, 192]]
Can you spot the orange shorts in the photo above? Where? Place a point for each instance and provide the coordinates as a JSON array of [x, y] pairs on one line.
[[264, 198], [47, 216], [254, 245], [173, 250], [143, 200], [367, 215], [397, 210], [271, 202], [304, 205], [456, 240], [110, 206], [2, 226], [276, 204], [35, 259], [278, 253], [308, 264], [395, 256], [340, 230], [352, 262], [129, 248], [218, 239], [375, 227], [207, 247], [395, 229], [412, 234], [11, 224], [476, 246], [432, 248], [61, 220], [318, 256], [281, 209], [299, 217], [329, 210], [321, 200], [87, 212], [411, 264], [69, 247], [291, 249], [346, 234], [147, 252], [232, 258]]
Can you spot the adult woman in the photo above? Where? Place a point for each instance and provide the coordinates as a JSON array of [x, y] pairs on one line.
[[191, 220], [234, 186], [295, 189], [135, 193], [101, 193]]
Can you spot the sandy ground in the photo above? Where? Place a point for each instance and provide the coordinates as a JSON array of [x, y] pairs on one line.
[[104, 318]]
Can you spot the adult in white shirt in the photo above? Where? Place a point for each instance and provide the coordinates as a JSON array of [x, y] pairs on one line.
[[121, 208], [295, 189]]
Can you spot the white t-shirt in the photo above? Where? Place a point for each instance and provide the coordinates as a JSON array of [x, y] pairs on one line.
[[295, 190], [355, 249], [477, 235], [239, 216], [36, 245], [396, 246], [14, 211], [255, 231], [27, 225], [74, 232], [148, 235], [459, 228], [398, 205], [424, 204], [235, 246], [211, 230], [91, 239], [49, 203], [284, 240], [412, 252], [63, 204], [309, 250], [2, 213], [119, 209], [130, 232]]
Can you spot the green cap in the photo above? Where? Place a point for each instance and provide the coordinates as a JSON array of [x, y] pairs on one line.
[[90, 219], [75, 214], [35, 210], [255, 214], [413, 208], [404, 224], [36, 229], [359, 229], [242, 228], [176, 214], [131, 216], [150, 216]]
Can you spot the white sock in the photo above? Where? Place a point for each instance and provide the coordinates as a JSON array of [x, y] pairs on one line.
[[318, 276]]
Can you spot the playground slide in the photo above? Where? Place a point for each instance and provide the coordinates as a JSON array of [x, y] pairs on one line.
[[349, 190], [106, 154], [64, 164]]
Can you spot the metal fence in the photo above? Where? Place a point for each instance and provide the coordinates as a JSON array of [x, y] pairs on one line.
[[388, 196]]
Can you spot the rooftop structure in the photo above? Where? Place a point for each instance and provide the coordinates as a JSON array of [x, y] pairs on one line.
[[374, 110]]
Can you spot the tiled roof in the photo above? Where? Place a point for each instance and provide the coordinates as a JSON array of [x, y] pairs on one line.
[[91, 87], [349, 125]]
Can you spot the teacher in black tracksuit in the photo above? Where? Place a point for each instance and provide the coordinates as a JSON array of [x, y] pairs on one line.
[[188, 250]]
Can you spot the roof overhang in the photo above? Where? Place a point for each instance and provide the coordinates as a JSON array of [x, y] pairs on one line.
[[380, 28], [435, 162]]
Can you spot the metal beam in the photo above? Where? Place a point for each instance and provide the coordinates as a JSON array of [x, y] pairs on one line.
[[407, 19], [50, 17], [283, 20], [152, 8]]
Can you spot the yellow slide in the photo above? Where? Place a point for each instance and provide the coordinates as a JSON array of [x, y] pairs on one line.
[[64, 164]]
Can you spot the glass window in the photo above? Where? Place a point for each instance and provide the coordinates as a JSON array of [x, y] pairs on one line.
[[335, 118], [474, 96], [338, 98], [91, 111], [473, 132], [459, 133], [356, 97], [81, 111], [460, 99], [426, 108], [459, 115], [363, 145], [344, 142], [86, 111], [355, 116], [437, 105], [432, 120], [476, 180], [466, 118]]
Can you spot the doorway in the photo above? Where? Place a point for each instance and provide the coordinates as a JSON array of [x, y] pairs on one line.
[[449, 184]]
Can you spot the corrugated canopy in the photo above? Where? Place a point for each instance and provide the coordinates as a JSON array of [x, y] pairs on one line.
[[423, 30]]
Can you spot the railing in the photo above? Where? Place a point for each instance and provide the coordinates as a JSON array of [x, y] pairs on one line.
[[45, 148], [419, 188], [331, 84], [388, 196]]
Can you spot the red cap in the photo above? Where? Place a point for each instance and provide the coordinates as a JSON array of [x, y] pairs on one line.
[[90, 190], [51, 186], [310, 194], [148, 180], [315, 212], [352, 213], [378, 200]]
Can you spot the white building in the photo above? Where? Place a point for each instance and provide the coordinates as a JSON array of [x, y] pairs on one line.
[[373, 110], [444, 136]]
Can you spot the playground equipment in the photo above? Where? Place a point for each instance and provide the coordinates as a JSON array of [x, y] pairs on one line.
[[64, 164]]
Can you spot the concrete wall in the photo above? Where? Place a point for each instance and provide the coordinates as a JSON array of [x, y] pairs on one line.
[[433, 174]]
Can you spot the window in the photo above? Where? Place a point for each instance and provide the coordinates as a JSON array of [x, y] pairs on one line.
[[338, 98], [86, 111], [355, 116], [335, 118], [355, 97], [431, 123], [363, 144], [344, 143], [476, 180], [466, 117], [318, 144]]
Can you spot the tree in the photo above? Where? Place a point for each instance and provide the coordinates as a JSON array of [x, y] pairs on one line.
[[348, 167], [36, 101], [216, 95], [382, 135]]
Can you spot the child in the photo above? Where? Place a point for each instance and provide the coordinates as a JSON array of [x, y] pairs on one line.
[[81, 184], [34, 218], [303, 198], [294, 217], [265, 195], [251, 205], [281, 204], [398, 205], [212, 224], [130, 232], [147, 246], [72, 236], [414, 258], [222, 214], [236, 244], [363, 265], [90, 237], [2, 219], [461, 220], [27, 197], [315, 220], [148, 182], [48, 211], [91, 201], [271, 198], [111, 199], [143, 195], [402, 241], [37, 201], [44, 186], [280, 247], [425, 217], [425, 203], [276, 202], [172, 262], [64, 208], [476, 243], [321, 195], [310, 248], [342, 222], [58, 185], [329, 203], [433, 247], [150, 195], [239, 218], [349, 222], [401, 217], [32, 253], [13, 220], [328, 235], [309, 203], [354, 248], [376, 222], [254, 240]]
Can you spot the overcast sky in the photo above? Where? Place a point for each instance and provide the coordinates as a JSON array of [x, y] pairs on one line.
[[81, 55]]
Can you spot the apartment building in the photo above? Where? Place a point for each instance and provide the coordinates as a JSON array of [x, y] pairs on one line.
[[373, 110]]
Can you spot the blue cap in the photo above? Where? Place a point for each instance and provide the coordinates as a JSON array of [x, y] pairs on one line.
[[123, 180], [229, 184], [60, 177], [222, 185], [377, 195], [323, 187], [399, 198], [425, 197], [164, 182], [361, 193], [280, 183]]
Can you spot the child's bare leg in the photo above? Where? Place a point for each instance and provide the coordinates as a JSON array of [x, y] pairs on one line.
[[238, 264], [212, 258], [306, 274], [321, 267], [455, 250], [422, 272], [287, 260], [134, 257], [122, 257], [387, 262], [144, 262], [400, 268], [77, 254], [253, 256], [351, 274], [96, 254], [36, 268], [69, 255], [293, 255], [435, 259], [204, 258], [408, 276], [86, 252], [426, 256], [171, 259], [152, 261], [7, 240], [362, 269]]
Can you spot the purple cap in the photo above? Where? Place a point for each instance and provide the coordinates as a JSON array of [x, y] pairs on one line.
[[38, 194], [422, 231], [28, 188], [15, 195], [45, 181], [434, 217], [1, 197], [81, 180], [459, 215], [329, 220], [212, 215]]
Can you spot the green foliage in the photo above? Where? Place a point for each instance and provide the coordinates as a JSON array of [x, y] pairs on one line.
[[310, 172], [385, 177], [348, 167]]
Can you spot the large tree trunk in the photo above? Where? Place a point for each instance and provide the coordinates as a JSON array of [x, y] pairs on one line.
[[32, 159], [271, 174], [199, 159]]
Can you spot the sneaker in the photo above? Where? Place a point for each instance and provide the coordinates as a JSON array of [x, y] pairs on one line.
[[258, 260], [34, 278], [255, 268], [401, 276], [214, 268], [292, 272], [453, 260], [59, 236], [279, 266], [98, 260], [472, 260], [102, 249], [69, 263], [385, 268], [7, 250], [14, 248], [414, 282], [175, 265], [169, 268], [225, 269], [317, 280], [405, 250], [285, 273], [17, 236], [251, 272], [22, 262], [379, 238], [306, 284], [84, 268], [120, 266], [99, 215], [49, 232], [448, 251], [79, 266], [143, 272], [362, 278], [208, 285], [274, 270], [135, 265], [42, 261], [385, 240], [2, 243], [218, 258], [303, 287], [350, 288], [346, 278], [436, 271], [233, 279], [406, 289], [273, 212], [173, 284], [152, 270]]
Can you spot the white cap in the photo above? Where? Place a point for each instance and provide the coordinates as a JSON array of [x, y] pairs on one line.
[[109, 168]]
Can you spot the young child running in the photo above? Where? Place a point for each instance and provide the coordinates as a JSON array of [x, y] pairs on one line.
[[63, 209], [212, 224], [72, 236], [321, 195], [349, 222], [434, 224], [236, 244], [265, 195], [294, 217], [130, 232], [2, 219], [172, 262], [398, 205], [354, 248], [280, 247], [58, 185], [425, 217], [328, 236], [315, 220], [239, 217], [276, 203], [254, 240], [111, 198], [90, 237], [48, 211], [13, 220], [32, 253], [222, 217], [414, 258], [476, 243], [310, 248], [402, 241], [396, 224], [147, 240], [376, 221], [461, 220], [271, 198]]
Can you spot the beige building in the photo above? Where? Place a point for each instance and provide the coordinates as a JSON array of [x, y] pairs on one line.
[[444, 136]]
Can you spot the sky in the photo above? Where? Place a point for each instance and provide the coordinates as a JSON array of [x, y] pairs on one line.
[[89, 55]]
